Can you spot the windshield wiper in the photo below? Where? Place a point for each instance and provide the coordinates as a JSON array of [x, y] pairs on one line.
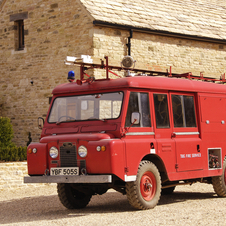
[[59, 122], [90, 119]]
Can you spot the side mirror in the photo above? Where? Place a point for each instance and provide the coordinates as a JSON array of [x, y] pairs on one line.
[[135, 118], [40, 123]]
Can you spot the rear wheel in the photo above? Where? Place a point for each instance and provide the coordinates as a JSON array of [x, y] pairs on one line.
[[219, 182], [72, 198], [144, 193]]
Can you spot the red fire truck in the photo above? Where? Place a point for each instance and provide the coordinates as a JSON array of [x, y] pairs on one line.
[[142, 135]]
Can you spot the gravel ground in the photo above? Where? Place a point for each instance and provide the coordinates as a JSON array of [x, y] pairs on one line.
[[188, 205]]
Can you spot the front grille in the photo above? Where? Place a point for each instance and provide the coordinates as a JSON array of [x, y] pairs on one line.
[[68, 157]]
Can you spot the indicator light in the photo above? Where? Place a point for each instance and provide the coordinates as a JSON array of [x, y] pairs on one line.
[[29, 151], [34, 150], [101, 148]]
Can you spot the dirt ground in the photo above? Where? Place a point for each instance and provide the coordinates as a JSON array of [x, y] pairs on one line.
[[188, 205]]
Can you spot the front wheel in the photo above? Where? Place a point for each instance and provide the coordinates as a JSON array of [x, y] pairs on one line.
[[145, 192], [72, 198], [219, 182]]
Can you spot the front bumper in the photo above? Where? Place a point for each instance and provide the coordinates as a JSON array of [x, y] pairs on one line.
[[87, 179]]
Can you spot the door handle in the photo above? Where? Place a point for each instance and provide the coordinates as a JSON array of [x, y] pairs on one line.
[[173, 135]]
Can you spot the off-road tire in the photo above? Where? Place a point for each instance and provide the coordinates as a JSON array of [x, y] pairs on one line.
[[71, 198], [219, 182], [145, 192]]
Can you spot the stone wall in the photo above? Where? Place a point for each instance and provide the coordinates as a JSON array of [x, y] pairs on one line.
[[53, 30], [160, 52], [12, 174]]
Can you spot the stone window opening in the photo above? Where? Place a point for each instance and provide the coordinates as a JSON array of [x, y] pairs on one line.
[[19, 35], [19, 31]]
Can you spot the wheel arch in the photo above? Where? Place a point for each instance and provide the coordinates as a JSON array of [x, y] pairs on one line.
[[159, 164]]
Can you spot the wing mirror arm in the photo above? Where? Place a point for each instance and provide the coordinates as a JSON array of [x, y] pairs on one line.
[[40, 122], [135, 119]]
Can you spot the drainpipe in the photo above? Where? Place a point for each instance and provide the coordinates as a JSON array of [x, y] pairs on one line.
[[129, 42]]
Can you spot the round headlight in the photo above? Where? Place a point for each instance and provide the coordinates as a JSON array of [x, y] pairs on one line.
[[53, 152], [82, 151]]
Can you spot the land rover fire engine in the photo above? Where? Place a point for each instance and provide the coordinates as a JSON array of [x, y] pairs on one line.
[[142, 135]]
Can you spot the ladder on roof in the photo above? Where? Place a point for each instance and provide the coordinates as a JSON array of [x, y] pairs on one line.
[[86, 63]]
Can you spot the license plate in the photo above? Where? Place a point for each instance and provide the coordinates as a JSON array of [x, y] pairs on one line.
[[61, 171]]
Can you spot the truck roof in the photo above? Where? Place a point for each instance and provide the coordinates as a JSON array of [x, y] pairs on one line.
[[142, 82]]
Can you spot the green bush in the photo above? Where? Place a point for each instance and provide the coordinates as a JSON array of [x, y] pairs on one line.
[[13, 154], [8, 150], [6, 132]]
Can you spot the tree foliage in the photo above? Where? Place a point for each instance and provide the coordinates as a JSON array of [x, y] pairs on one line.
[[8, 150], [13, 153], [6, 132]]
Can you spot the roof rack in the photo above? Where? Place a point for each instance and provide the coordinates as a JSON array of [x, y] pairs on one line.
[[86, 63]]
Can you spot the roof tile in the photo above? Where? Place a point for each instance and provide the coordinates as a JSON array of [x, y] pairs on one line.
[[195, 17]]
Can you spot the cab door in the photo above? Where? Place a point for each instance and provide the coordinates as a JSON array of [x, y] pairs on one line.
[[139, 136], [163, 130], [185, 132]]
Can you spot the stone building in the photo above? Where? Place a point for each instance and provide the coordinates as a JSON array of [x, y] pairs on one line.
[[37, 35]]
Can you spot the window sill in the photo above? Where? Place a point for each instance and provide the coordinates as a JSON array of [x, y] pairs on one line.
[[13, 52]]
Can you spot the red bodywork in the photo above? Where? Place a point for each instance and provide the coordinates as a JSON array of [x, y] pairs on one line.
[[181, 153]]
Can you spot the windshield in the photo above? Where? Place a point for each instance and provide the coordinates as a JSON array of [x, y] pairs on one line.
[[87, 107]]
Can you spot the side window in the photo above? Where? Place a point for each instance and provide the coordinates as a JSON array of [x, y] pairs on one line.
[[139, 102], [161, 111], [183, 111]]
